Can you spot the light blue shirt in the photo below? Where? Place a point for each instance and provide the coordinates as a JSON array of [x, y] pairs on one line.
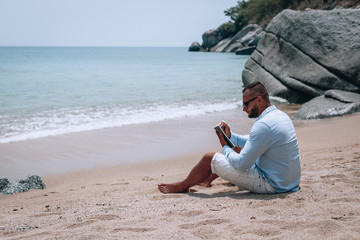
[[273, 147]]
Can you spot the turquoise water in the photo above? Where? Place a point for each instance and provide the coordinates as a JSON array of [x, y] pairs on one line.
[[48, 91]]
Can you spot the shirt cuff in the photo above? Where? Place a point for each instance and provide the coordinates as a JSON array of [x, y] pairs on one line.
[[233, 138], [224, 149]]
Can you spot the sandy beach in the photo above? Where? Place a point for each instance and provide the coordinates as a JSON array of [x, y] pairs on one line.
[[116, 196]]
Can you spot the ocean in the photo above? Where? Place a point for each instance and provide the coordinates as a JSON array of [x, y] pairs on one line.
[[48, 91]]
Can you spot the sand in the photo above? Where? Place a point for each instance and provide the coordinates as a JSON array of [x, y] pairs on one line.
[[121, 201]]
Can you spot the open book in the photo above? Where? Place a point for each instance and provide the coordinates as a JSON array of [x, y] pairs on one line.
[[219, 130]]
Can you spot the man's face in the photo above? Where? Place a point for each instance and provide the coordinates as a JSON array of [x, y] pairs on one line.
[[252, 108]]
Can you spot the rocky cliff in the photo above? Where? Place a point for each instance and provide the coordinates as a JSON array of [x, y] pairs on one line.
[[244, 42], [255, 16]]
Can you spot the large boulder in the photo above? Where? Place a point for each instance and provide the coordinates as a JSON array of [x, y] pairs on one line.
[[221, 39], [195, 47], [301, 55], [246, 38], [346, 97], [4, 182], [332, 103], [211, 38]]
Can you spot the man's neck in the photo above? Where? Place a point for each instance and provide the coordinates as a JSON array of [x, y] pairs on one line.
[[263, 109]]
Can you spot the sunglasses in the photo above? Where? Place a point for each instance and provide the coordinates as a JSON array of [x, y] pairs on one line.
[[246, 104]]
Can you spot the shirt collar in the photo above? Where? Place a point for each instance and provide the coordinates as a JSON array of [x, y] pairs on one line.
[[266, 111]]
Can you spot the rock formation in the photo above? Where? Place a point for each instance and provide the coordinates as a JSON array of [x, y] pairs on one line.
[[218, 40], [196, 47], [302, 55], [247, 37], [22, 185], [211, 38], [333, 103]]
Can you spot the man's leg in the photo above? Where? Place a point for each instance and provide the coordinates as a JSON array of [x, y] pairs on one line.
[[208, 181], [198, 174], [213, 176], [250, 179]]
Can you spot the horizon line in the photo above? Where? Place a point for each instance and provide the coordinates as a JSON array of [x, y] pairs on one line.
[[80, 46]]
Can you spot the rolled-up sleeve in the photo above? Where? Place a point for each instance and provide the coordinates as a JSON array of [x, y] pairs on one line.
[[254, 145]]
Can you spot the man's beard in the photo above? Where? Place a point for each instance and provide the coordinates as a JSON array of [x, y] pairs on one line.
[[254, 113]]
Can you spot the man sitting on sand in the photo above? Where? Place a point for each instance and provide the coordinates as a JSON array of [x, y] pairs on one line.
[[269, 160]]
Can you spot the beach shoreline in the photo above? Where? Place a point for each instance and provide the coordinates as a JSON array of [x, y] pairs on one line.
[[116, 146], [121, 201]]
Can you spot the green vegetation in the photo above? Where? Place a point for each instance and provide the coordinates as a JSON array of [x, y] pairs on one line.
[[262, 11], [256, 11], [227, 29]]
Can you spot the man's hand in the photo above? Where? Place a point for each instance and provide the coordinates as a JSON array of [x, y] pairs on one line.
[[225, 127], [221, 139], [223, 142]]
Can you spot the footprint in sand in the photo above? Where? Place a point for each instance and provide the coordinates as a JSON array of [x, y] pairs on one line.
[[82, 224], [107, 217], [271, 212], [163, 196], [341, 176], [129, 229], [191, 213], [344, 199], [122, 183], [203, 223], [149, 179]]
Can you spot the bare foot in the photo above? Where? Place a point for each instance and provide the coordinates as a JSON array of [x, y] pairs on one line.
[[172, 188]]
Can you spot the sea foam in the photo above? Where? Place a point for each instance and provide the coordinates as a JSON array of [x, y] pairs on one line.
[[79, 120]]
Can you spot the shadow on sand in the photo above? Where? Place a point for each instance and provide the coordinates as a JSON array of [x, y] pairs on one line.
[[240, 195]]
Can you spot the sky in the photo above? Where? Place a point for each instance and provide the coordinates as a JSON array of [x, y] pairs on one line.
[[158, 23]]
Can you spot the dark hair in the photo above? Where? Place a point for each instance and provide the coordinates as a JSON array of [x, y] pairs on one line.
[[256, 88]]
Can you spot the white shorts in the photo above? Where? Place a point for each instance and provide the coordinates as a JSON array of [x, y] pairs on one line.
[[250, 179]]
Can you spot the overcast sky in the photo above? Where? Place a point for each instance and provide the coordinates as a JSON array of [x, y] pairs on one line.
[[109, 22]]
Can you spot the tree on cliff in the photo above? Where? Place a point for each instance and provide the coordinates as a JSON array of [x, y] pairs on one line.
[[262, 11], [254, 11]]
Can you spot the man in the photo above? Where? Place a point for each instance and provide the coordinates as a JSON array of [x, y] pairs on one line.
[[269, 160]]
